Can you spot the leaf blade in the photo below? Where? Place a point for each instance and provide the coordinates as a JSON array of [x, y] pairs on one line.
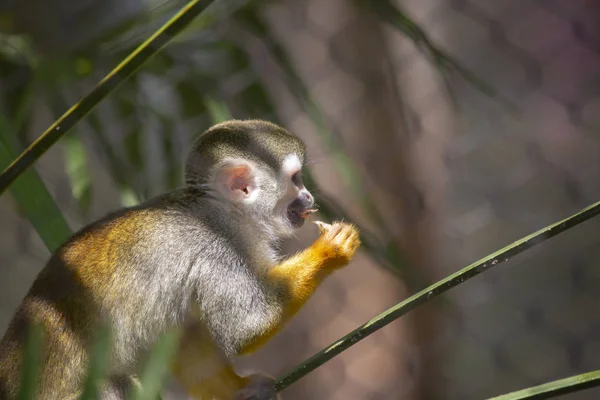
[[32, 195]]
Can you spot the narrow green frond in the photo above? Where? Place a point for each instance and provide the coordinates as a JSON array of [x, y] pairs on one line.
[[78, 172], [217, 110], [31, 363], [555, 388], [157, 367], [390, 13], [30, 192], [485, 264], [98, 364], [76, 162]]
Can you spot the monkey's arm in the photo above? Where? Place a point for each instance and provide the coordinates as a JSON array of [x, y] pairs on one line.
[[300, 275], [204, 369]]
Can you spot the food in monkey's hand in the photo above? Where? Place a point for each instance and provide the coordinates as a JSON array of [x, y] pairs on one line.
[[323, 226]]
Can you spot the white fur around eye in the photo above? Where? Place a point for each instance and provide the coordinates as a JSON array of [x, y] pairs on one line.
[[291, 164]]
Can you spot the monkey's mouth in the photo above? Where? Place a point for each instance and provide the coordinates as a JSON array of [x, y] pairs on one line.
[[296, 216]]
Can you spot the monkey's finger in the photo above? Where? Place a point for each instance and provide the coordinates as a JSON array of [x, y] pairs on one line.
[[349, 236], [335, 230], [348, 230], [354, 234], [323, 227], [353, 241]]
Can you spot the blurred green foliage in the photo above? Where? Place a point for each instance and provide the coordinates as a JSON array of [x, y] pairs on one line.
[[140, 136]]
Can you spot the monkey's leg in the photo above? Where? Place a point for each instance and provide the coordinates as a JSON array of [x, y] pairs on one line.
[[203, 370], [301, 274]]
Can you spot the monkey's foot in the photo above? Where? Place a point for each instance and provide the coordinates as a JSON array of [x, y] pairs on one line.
[[261, 387]]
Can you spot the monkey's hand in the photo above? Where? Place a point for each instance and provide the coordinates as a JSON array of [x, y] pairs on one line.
[[337, 244], [261, 387], [300, 275]]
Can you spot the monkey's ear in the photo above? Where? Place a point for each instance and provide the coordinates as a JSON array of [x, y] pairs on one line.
[[235, 180]]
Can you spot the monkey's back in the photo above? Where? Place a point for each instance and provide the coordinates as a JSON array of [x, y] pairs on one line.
[[120, 269]]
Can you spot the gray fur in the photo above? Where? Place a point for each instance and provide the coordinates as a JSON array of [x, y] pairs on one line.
[[203, 244]]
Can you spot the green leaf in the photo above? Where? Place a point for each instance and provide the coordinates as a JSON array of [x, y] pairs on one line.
[[76, 165], [556, 388], [31, 363], [78, 172], [128, 197], [217, 110], [157, 367], [98, 364], [390, 13], [32, 195]]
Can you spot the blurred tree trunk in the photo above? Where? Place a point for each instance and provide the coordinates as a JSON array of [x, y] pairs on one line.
[[341, 54], [376, 137]]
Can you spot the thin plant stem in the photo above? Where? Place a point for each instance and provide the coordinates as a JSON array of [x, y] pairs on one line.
[[468, 272], [555, 388]]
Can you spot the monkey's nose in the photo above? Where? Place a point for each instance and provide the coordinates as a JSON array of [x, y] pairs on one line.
[[305, 197]]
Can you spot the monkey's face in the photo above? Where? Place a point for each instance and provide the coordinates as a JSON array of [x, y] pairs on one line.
[[277, 198], [282, 198]]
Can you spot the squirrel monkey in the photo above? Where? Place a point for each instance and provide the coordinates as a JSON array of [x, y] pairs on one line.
[[201, 259]]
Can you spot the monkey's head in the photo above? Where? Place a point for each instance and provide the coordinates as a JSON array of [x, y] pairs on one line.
[[255, 165]]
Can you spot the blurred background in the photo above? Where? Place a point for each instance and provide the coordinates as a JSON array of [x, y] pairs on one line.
[[446, 129]]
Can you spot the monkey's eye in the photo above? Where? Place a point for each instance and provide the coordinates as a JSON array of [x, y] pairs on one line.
[[297, 178]]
